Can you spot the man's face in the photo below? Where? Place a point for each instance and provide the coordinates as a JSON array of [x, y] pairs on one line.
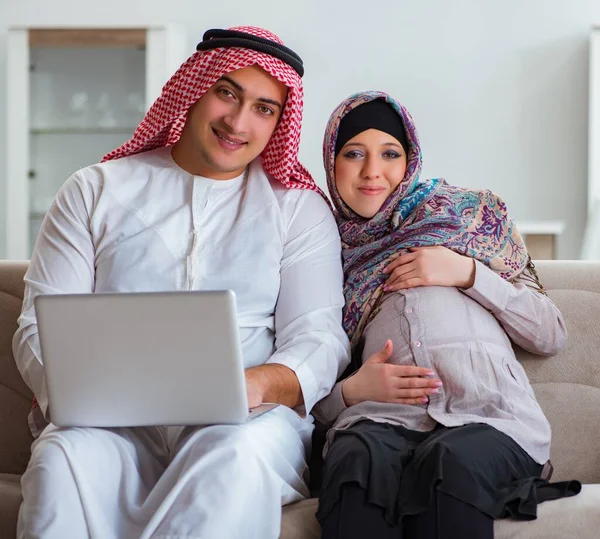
[[230, 125]]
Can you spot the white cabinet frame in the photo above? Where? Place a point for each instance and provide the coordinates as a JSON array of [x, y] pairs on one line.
[[166, 49]]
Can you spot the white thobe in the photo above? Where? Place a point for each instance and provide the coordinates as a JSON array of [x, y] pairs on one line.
[[142, 223]]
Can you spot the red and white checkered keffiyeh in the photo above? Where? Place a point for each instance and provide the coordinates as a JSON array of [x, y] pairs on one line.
[[164, 122]]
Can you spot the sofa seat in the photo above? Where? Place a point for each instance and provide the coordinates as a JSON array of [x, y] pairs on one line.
[[569, 518], [10, 500]]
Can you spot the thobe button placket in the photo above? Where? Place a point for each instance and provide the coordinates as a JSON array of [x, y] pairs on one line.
[[200, 196]]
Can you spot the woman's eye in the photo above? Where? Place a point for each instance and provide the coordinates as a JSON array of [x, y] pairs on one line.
[[353, 154], [391, 155]]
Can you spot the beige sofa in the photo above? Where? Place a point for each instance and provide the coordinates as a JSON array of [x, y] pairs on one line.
[[567, 386]]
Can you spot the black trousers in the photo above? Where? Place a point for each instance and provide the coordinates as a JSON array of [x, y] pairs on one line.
[[447, 517]]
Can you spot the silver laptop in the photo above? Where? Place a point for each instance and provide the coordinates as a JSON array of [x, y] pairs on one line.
[[135, 359]]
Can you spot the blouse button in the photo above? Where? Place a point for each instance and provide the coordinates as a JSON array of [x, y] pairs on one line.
[[417, 344], [409, 310]]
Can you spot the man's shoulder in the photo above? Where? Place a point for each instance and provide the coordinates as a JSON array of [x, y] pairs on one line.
[[293, 200], [304, 212], [114, 172], [123, 165], [301, 199]]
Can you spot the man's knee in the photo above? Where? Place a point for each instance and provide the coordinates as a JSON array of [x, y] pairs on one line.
[[51, 446], [240, 445], [233, 446], [48, 466], [56, 446]]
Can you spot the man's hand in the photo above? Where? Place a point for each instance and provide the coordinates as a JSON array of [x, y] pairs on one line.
[[254, 389], [273, 383], [380, 381], [430, 266]]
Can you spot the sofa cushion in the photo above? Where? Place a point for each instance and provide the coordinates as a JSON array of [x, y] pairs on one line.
[[559, 519], [568, 387], [299, 521], [572, 410], [576, 517], [10, 500], [15, 396], [579, 362]]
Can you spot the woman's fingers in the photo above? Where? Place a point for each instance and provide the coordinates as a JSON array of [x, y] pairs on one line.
[[408, 281], [399, 261], [405, 393], [401, 273], [410, 371], [416, 383], [420, 400]]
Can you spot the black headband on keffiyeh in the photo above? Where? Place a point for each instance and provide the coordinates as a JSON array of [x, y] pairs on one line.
[[215, 38]]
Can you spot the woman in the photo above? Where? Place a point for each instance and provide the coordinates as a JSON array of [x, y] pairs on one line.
[[437, 279]]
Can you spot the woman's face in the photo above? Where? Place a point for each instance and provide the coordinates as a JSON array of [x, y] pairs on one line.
[[368, 169]]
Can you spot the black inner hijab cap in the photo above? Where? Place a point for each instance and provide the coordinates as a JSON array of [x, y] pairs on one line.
[[376, 114]]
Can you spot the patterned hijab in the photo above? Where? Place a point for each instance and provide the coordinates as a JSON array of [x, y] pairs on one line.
[[165, 119], [419, 212]]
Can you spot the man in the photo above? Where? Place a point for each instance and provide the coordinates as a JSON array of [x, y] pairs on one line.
[[208, 194]]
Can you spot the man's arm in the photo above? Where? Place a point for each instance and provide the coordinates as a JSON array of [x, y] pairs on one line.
[[62, 262], [273, 383], [311, 347]]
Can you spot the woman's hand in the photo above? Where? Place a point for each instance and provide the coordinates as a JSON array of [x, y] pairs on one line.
[[380, 381], [430, 266]]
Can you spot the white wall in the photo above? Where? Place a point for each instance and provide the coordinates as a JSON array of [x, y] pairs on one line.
[[498, 88]]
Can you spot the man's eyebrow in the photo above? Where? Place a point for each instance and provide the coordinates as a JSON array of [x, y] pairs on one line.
[[236, 85], [240, 89], [273, 102]]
